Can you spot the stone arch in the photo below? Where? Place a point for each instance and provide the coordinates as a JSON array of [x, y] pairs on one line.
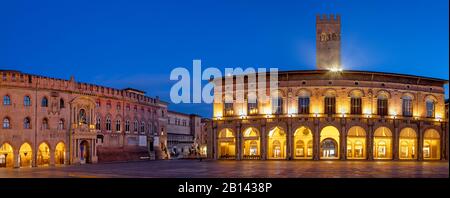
[[382, 143], [251, 140], [329, 142], [60, 153], [276, 143], [408, 143], [431, 144], [356, 142], [407, 94], [6, 155], [303, 92], [226, 140], [430, 97], [303, 143], [43, 154], [330, 92], [356, 92], [25, 154], [383, 92]]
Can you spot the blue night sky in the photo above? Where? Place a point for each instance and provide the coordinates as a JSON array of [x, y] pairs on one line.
[[137, 43]]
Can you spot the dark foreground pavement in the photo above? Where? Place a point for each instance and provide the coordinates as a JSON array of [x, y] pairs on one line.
[[258, 169]]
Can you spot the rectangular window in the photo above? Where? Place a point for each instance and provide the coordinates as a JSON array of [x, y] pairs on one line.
[[303, 105], [277, 105], [430, 109], [330, 105], [382, 107], [355, 104], [407, 107]]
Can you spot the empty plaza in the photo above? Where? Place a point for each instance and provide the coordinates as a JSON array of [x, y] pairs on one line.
[[238, 169]]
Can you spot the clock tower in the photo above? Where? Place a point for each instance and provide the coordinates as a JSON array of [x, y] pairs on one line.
[[328, 42]]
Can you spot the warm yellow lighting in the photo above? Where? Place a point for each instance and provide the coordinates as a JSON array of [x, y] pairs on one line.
[[335, 69], [315, 115]]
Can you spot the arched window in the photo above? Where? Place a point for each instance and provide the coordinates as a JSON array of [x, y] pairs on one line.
[[135, 126], [61, 124], [44, 102], [127, 126], [98, 123], [61, 103], [6, 123], [142, 127], [118, 125], [44, 123], [26, 101], [108, 123], [6, 100], [407, 106], [430, 105], [382, 105], [26, 123]]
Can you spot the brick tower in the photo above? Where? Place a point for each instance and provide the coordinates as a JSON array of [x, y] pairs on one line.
[[328, 42]]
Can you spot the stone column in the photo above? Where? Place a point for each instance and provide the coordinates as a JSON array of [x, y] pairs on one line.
[[52, 158], [343, 138], [214, 141], [419, 144], [263, 143], [444, 141], [16, 158], [395, 144], [289, 141], [369, 146], [238, 142], [316, 140], [67, 158]]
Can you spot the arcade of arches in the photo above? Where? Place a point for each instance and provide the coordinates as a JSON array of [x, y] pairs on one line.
[[301, 144], [24, 156]]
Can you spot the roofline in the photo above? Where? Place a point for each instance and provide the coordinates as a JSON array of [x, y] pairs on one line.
[[180, 113], [359, 71]]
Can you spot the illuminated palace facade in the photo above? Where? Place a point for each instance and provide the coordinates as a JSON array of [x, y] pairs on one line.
[[332, 114], [336, 115], [47, 121]]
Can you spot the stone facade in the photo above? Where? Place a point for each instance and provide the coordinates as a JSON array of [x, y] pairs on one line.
[[181, 132], [334, 115], [47, 121]]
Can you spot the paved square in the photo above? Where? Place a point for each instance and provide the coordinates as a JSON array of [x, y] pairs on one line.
[[258, 169]]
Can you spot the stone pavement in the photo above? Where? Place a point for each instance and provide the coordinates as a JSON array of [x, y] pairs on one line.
[[237, 169]]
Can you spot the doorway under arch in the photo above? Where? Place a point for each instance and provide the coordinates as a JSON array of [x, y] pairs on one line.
[[6, 156], [25, 155], [226, 144], [277, 144], [303, 141], [382, 143], [356, 143], [431, 145], [60, 153], [251, 147], [329, 143], [408, 144], [43, 157]]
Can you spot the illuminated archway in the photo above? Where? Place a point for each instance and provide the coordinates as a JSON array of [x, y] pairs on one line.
[[60, 153], [382, 143], [303, 148], [356, 143], [408, 144], [276, 144], [251, 140], [26, 154], [329, 143], [43, 157], [226, 144], [85, 152], [431, 145], [6, 155]]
